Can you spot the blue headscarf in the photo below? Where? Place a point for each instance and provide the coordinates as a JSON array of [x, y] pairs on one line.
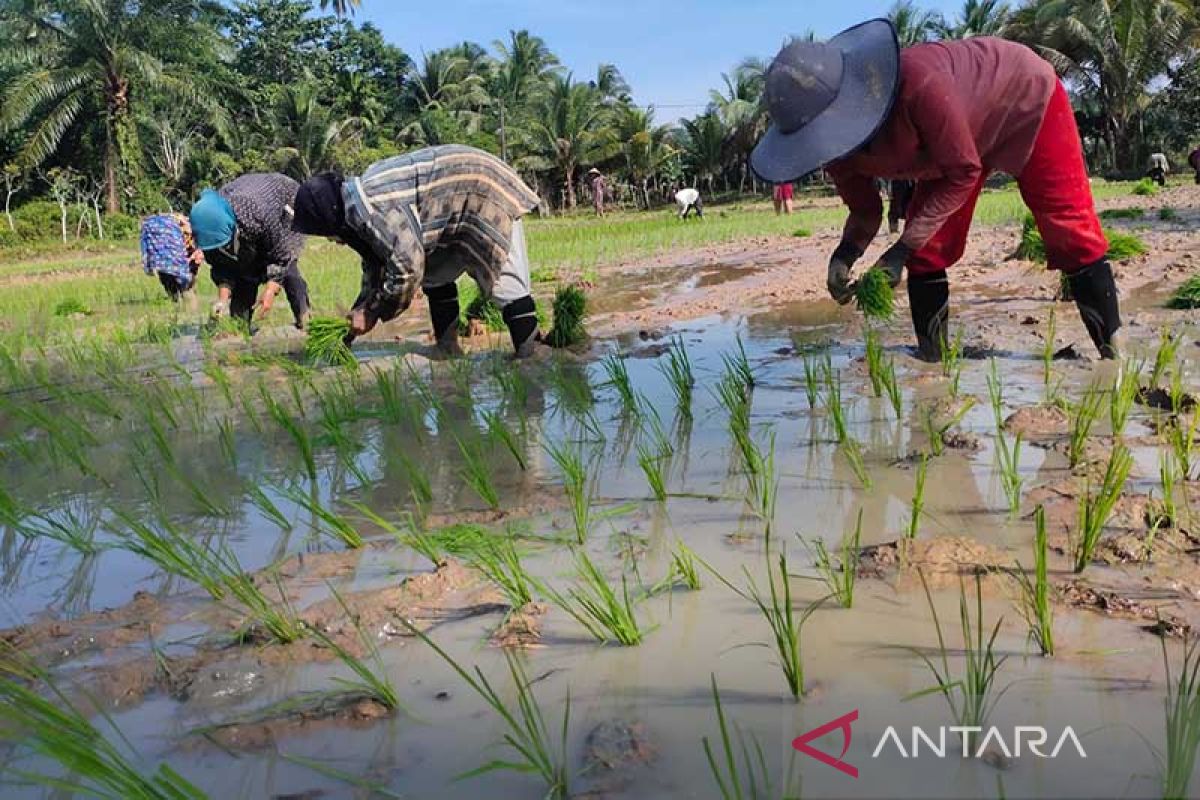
[[213, 221]]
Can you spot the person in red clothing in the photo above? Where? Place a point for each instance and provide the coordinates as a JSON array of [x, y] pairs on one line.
[[783, 198], [946, 115]]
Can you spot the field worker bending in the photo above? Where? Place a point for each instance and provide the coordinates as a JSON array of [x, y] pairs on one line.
[[169, 252], [423, 219], [688, 201], [946, 115], [245, 231], [1160, 168]]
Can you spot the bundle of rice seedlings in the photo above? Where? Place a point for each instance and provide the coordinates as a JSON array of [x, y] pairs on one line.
[[326, 342], [570, 308], [1124, 245], [71, 306], [874, 295], [1031, 247], [1187, 295], [1145, 188], [1121, 213]]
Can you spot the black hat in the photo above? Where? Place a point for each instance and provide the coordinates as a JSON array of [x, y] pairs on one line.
[[827, 99], [319, 209]]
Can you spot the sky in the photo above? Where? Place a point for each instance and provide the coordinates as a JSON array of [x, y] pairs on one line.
[[670, 51]]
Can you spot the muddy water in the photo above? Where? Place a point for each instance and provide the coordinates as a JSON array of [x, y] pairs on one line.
[[1106, 683]]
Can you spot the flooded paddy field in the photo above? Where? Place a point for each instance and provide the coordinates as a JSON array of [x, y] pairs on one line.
[[284, 581]]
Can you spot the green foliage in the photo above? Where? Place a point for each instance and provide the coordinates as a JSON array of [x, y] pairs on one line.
[[1121, 213], [70, 306], [1144, 188], [1167, 214], [1035, 603], [605, 612], [1031, 246], [1095, 507], [1122, 246]]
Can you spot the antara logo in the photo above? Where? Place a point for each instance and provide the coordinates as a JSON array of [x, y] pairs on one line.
[[1025, 739]]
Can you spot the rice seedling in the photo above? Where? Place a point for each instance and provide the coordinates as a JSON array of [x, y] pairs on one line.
[[683, 565], [96, 763], [369, 787], [570, 310], [170, 550], [776, 608], [762, 481], [1121, 213], [839, 577], [277, 618], [1083, 419], [1031, 246], [735, 397], [891, 387], [936, 430], [371, 680], [326, 343], [74, 526], [337, 525], [267, 507], [1187, 296], [652, 466], [500, 563], [513, 384], [737, 366], [605, 611], [917, 509], [1048, 350], [1124, 394], [1181, 436], [1009, 458], [834, 405], [476, 473], [70, 306], [528, 735], [1035, 604], [1182, 714], [852, 451], [618, 378], [500, 432], [573, 395], [1095, 508], [875, 362], [294, 429], [420, 487], [1168, 478], [970, 695], [752, 779], [1144, 188], [812, 380], [874, 295], [1123, 245], [678, 372], [578, 484], [952, 362], [996, 393], [1165, 357]]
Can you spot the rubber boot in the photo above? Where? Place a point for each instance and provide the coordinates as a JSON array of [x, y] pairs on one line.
[[929, 299], [443, 312], [1095, 295], [521, 318]]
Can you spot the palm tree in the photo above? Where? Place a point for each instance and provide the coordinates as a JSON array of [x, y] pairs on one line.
[[741, 111], [523, 61], [341, 7], [977, 18], [611, 84], [913, 24], [702, 142], [644, 147], [1113, 51], [81, 56], [308, 134], [568, 128]]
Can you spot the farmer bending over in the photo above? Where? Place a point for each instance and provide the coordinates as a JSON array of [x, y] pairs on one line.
[[423, 219], [945, 115], [688, 201], [1160, 168], [245, 231], [169, 251]]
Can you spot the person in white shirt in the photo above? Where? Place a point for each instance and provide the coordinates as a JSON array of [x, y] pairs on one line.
[[689, 199], [1159, 169]]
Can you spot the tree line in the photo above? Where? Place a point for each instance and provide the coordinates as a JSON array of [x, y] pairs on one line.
[[131, 106]]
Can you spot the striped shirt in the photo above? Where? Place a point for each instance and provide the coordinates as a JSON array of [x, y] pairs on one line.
[[433, 204]]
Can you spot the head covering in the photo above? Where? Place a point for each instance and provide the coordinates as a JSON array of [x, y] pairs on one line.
[[320, 210], [213, 220], [593, 171], [827, 99]]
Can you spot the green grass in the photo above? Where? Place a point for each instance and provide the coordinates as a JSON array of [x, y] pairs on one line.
[[874, 295], [1121, 245], [1035, 602], [1096, 507], [70, 306], [606, 612], [1187, 296], [528, 737], [96, 762], [841, 575], [1144, 188]]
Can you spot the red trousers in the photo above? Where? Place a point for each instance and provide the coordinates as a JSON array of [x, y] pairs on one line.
[[1054, 185]]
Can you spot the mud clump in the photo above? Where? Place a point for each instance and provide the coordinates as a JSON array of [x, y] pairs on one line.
[[611, 752], [522, 628], [938, 559], [1079, 594], [1161, 399], [1038, 422], [265, 728]]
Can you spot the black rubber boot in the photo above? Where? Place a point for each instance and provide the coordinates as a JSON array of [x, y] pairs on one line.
[[1095, 295], [521, 318], [929, 299], [443, 311]]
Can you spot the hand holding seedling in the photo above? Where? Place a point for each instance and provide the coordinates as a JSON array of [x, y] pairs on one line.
[[838, 281], [892, 262], [362, 320]]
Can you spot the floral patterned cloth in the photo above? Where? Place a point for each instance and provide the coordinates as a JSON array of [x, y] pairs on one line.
[[168, 247]]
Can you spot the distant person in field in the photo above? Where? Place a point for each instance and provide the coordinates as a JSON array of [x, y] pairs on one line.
[[1194, 162], [245, 231], [688, 201], [599, 188], [945, 115], [169, 252], [783, 198], [424, 219], [899, 196], [1160, 168]]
